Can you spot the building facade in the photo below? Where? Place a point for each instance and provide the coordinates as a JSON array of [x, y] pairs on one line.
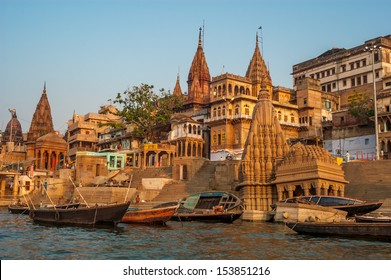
[[360, 70]]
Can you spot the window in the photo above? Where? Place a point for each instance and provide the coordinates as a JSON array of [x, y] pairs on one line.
[[292, 118], [236, 109], [219, 111], [343, 68], [279, 115], [358, 81], [364, 62], [214, 112], [246, 110], [352, 82], [285, 118], [351, 65], [366, 141], [328, 104], [305, 101], [357, 64], [344, 82], [342, 119], [364, 79], [223, 111]]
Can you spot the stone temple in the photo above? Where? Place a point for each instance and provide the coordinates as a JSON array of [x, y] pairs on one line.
[[270, 170]]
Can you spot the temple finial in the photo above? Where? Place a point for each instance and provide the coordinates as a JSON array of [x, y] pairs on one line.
[[199, 39], [44, 88]]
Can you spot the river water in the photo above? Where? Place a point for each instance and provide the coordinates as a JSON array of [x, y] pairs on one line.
[[22, 239]]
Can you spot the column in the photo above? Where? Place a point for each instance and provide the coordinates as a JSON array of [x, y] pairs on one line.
[[2, 186]]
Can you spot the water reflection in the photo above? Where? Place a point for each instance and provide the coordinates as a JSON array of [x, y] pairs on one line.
[[23, 239]]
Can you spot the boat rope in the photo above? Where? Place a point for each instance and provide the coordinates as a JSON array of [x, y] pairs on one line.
[[294, 225]]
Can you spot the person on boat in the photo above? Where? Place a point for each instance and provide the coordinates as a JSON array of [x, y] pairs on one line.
[[137, 199], [347, 156]]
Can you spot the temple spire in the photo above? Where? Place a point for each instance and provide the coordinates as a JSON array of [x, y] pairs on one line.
[[200, 39], [44, 88]]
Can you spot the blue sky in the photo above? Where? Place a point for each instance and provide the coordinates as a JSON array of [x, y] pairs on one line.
[[89, 50]]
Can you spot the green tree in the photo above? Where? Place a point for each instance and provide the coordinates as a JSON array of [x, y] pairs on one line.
[[361, 107], [145, 110]]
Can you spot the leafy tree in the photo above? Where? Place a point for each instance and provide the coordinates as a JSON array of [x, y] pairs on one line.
[[145, 110], [361, 107]]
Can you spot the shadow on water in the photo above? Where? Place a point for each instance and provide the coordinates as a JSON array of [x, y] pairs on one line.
[[25, 239]]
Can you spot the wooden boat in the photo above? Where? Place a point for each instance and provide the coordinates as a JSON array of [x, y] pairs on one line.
[[18, 209], [217, 206], [155, 215], [350, 205], [344, 229], [373, 219], [95, 215]]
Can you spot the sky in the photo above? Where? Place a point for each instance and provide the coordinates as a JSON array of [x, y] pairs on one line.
[[89, 50]]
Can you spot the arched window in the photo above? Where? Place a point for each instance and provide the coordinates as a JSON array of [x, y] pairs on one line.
[[246, 110], [214, 112], [219, 111], [241, 90], [189, 128], [223, 112], [247, 91], [279, 115], [194, 129], [229, 88], [236, 90], [224, 89], [219, 90], [199, 130], [237, 109], [292, 118]]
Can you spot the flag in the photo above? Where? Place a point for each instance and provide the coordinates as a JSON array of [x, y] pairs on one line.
[[260, 27]]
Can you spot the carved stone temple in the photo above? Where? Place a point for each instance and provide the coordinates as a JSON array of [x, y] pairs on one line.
[[271, 170]]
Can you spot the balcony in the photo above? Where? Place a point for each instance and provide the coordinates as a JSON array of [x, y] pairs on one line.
[[224, 117]]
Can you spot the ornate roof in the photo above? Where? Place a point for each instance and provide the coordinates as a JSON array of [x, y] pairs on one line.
[[257, 70], [52, 138], [15, 128], [177, 89], [199, 76], [305, 162], [42, 122], [265, 145]]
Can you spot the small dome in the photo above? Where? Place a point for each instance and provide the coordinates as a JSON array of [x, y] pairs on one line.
[[52, 137]]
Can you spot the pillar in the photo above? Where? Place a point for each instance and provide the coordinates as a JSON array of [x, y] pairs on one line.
[[16, 185], [2, 186]]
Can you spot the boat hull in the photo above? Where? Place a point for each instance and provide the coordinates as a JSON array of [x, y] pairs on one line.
[[344, 229], [15, 209], [208, 217], [107, 214], [149, 216], [373, 219]]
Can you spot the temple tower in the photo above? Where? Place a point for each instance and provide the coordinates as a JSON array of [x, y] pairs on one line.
[[257, 71], [265, 147], [13, 133], [41, 124], [199, 79]]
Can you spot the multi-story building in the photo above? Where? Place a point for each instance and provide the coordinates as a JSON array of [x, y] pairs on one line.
[[348, 73], [224, 105], [84, 131]]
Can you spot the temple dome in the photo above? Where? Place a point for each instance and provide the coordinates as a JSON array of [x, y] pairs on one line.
[[52, 138], [15, 128]]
